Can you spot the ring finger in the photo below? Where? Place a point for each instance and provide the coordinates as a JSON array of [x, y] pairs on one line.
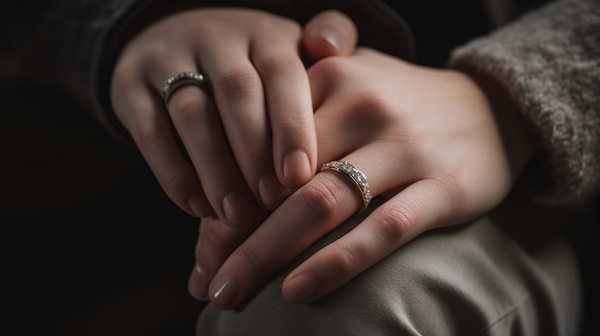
[[198, 125], [310, 213]]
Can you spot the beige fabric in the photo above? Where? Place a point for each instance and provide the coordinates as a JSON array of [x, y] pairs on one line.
[[506, 274]]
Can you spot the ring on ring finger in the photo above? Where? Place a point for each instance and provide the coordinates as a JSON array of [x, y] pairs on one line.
[[172, 84], [359, 180]]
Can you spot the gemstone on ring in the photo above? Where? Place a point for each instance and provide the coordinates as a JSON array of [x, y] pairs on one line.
[[356, 176], [185, 78]]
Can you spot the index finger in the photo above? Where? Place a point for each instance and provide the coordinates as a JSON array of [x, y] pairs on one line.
[[287, 91]]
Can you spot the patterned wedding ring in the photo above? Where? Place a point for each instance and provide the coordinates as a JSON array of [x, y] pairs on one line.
[[185, 78], [356, 176]]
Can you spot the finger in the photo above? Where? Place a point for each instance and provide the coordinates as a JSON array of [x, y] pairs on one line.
[[143, 114], [329, 33], [419, 207], [290, 111], [330, 75], [315, 209], [215, 244], [239, 96], [199, 127]]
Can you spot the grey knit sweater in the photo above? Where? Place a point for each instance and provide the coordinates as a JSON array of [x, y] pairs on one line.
[[549, 62]]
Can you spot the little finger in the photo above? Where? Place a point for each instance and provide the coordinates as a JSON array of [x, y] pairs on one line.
[[307, 215], [143, 114], [421, 206]]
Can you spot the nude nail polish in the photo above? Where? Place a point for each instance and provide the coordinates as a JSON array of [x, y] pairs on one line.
[[296, 165], [270, 190], [301, 288], [235, 205], [225, 292], [198, 283]]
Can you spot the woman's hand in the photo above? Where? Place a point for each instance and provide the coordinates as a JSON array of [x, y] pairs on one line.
[[439, 146], [256, 139]]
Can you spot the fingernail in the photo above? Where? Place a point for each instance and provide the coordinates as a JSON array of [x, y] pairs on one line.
[[296, 165], [300, 288], [270, 190], [198, 284], [235, 205], [331, 36], [226, 292]]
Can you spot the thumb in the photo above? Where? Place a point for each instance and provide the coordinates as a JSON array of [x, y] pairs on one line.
[[329, 33]]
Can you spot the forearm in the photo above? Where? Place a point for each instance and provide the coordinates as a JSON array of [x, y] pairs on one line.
[[549, 62]]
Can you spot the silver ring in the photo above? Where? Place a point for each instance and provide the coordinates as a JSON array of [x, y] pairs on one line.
[[356, 176], [185, 78]]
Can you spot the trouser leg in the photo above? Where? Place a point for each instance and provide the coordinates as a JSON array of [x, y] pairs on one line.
[[503, 275]]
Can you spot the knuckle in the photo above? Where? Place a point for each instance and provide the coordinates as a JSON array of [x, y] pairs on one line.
[[239, 82], [294, 26], [147, 138], [336, 68], [251, 259], [280, 65], [321, 197], [346, 262], [452, 185], [394, 223], [211, 30], [373, 101], [213, 239]]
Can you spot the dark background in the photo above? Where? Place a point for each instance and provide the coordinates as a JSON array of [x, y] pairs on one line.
[[92, 246], [90, 243]]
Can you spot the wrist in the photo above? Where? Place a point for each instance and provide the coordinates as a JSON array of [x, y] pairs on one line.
[[518, 136]]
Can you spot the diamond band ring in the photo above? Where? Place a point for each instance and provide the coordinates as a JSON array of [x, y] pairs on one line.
[[185, 78], [356, 176]]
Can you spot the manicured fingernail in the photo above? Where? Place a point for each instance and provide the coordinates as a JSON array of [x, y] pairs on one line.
[[226, 291], [198, 284], [296, 165], [235, 205], [300, 288], [332, 37], [270, 190]]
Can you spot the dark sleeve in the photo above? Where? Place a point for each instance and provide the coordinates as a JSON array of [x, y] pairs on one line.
[[71, 45], [62, 44], [549, 62]]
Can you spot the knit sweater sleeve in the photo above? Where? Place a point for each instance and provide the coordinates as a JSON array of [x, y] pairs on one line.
[[549, 62]]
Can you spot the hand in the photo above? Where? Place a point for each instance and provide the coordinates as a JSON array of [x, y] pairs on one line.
[[440, 146], [256, 139]]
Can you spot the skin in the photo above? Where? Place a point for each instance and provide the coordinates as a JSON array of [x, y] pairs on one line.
[[251, 144], [232, 148], [440, 146]]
